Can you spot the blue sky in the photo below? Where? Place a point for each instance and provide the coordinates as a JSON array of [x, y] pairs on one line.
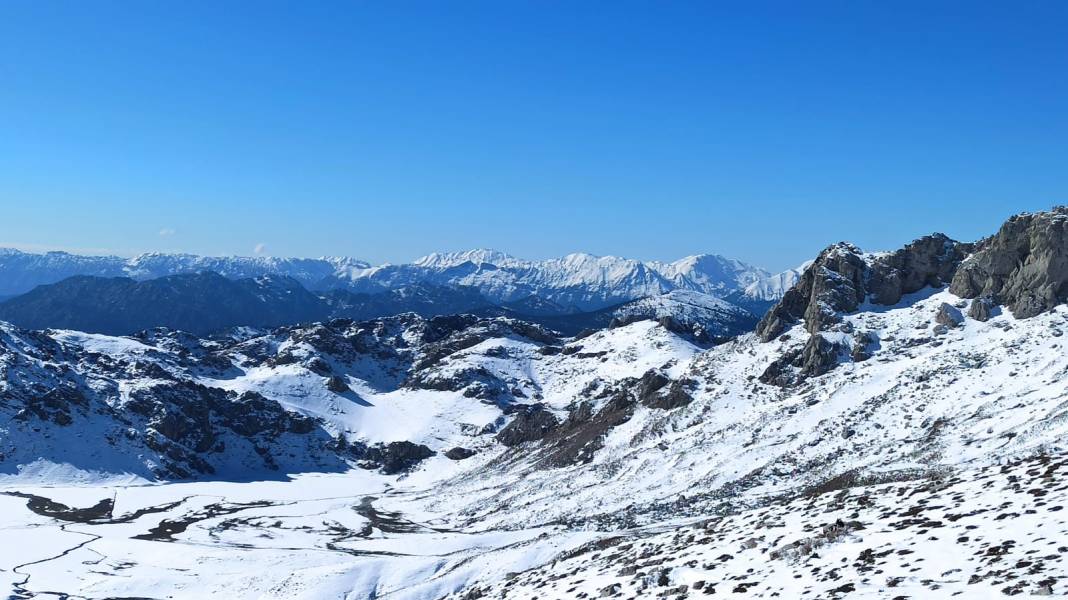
[[387, 130]]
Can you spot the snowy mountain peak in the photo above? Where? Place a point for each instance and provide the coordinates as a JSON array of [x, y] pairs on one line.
[[445, 260], [773, 286]]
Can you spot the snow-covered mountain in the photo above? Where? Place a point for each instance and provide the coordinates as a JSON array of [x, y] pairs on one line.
[[772, 287], [894, 427], [581, 281], [22, 271]]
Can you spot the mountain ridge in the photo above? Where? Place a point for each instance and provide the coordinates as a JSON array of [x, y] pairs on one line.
[[581, 280]]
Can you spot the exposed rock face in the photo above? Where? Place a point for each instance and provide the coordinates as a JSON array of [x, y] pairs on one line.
[[55, 405], [818, 356], [863, 344], [842, 278], [833, 283], [1024, 266], [532, 423], [674, 396], [648, 386], [582, 434], [395, 457], [929, 261]]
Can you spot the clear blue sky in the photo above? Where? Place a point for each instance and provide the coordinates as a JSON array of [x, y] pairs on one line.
[[386, 130]]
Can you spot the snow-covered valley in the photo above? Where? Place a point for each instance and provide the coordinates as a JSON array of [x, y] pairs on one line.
[[895, 427]]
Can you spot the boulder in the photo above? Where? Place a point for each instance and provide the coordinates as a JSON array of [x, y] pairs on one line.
[[863, 344], [337, 384], [819, 356], [981, 309], [459, 453], [949, 316], [675, 396], [648, 386]]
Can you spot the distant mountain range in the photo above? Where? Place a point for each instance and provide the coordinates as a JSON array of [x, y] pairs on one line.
[[21, 271], [206, 302], [706, 297], [575, 282], [196, 302]]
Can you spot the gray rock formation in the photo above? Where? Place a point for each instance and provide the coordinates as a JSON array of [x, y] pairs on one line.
[[833, 283], [1023, 266], [929, 261], [337, 385], [818, 356], [842, 278]]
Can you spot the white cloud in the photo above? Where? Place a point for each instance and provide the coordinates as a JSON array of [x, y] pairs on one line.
[[167, 232], [260, 248]]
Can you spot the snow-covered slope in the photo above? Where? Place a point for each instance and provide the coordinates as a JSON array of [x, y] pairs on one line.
[[931, 412]]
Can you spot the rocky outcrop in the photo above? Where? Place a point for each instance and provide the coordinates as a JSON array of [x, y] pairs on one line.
[[395, 457], [676, 395], [818, 356], [1024, 266], [842, 278], [833, 283], [579, 437], [929, 261], [531, 423], [56, 405]]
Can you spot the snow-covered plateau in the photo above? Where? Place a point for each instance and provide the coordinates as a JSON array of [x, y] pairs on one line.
[[895, 427]]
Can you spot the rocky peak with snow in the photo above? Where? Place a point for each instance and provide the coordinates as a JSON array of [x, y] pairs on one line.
[[1024, 266], [444, 260], [842, 278]]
